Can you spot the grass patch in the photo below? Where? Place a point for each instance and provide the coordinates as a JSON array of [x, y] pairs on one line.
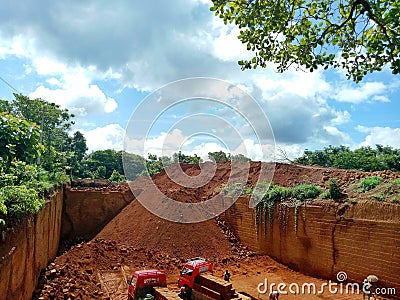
[[369, 183], [379, 197]]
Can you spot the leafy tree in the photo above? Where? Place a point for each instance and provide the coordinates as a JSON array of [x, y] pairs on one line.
[[30, 130], [113, 160], [312, 33], [240, 157], [76, 152], [187, 159], [109, 159], [53, 122], [219, 156], [101, 172], [78, 145], [317, 157], [134, 165], [156, 164], [388, 157], [19, 139], [117, 177]]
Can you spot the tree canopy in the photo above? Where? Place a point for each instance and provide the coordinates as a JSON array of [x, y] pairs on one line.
[[360, 36], [364, 158], [221, 156]]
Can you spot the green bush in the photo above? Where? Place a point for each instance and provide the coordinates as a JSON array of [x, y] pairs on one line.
[[395, 200], [306, 191], [117, 177], [353, 201], [369, 183], [393, 187], [19, 200], [276, 194], [380, 197], [325, 195], [334, 189], [233, 190]]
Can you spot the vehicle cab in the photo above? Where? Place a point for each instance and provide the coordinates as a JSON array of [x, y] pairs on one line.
[[191, 269], [142, 282]]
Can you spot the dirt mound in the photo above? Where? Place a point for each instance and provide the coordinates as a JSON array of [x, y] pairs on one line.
[[137, 227]]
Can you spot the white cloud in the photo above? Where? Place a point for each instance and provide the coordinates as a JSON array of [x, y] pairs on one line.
[[342, 117], [227, 46], [304, 84], [336, 133], [71, 87], [110, 136], [164, 144], [385, 136], [369, 91], [79, 99]]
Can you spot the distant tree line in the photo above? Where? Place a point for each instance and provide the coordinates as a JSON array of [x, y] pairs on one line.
[[364, 159], [110, 163]]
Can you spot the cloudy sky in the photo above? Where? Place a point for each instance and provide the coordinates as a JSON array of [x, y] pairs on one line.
[[102, 59]]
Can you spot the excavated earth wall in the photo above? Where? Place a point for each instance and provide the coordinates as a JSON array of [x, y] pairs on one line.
[[87, 211], [27, 248], [358, 239]]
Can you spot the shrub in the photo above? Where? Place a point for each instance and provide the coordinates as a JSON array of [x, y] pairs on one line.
[[334, 189], [393, 187], [380, 197], [325, 194], [306, 191], [19, 200], [276, 194], [117, 177], [369, 183], [233, 190], [353, 201]]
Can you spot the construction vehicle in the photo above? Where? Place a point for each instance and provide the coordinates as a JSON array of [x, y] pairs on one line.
[[196, 282], [196, 276], [149, 285], [192, 269]]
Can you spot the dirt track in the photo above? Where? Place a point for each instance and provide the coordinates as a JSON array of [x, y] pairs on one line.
[[136, 239]]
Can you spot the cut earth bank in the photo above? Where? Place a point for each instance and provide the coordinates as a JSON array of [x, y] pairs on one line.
[[358, 237]]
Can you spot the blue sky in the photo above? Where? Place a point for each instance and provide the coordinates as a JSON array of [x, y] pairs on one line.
[[100, 59]]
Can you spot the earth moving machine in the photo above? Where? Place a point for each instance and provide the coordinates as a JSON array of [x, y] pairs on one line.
[[196, 282], [149, 285], [196, 277]]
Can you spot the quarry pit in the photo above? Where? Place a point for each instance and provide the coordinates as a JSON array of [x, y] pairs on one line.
[[357, 236]]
